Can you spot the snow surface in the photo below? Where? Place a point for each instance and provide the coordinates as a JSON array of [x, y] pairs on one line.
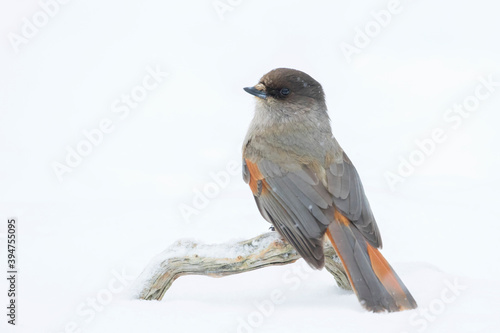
[[83, 241]]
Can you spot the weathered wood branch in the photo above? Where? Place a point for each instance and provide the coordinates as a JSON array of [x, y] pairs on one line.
[[189, 258]]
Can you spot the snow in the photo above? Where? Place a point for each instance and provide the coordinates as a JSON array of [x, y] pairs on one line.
[[168, 166]]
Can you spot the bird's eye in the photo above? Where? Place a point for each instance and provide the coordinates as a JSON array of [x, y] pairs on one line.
[[284, 91]]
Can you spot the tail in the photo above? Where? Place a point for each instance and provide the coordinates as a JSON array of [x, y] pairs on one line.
[[373, 280]]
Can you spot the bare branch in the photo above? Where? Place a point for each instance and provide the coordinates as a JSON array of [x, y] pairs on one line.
[[190, 258]]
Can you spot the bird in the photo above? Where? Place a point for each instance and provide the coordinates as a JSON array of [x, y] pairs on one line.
[[309, 190]]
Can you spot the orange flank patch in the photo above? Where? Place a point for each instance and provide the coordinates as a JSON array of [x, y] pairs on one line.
[[384, 272], [255, 177], [341, 218]]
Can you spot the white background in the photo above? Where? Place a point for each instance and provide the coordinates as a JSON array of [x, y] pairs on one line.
[[121, 205]]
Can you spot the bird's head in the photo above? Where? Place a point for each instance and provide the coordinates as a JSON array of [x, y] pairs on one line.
[[288, 91]]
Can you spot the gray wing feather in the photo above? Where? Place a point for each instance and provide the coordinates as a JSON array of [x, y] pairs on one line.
[[350, 199], [245, 173], [288, 224], [317, 194], [269, 169], [299, 207], [305, 221]]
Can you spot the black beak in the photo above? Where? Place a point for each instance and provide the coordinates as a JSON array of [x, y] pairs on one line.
[[256, 92]]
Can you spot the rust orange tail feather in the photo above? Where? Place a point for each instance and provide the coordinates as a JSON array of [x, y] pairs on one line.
[[376, 284]]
